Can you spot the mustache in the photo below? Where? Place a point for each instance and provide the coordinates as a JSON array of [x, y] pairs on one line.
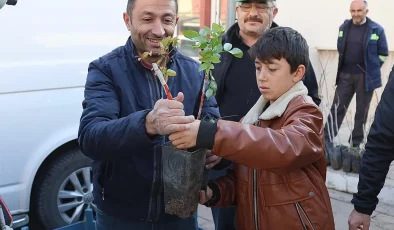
[[253, 19]]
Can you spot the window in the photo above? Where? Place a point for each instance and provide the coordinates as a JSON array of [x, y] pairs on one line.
[[189, 19]]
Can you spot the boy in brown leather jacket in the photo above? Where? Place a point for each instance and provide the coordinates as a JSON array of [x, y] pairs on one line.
[[278, 147]]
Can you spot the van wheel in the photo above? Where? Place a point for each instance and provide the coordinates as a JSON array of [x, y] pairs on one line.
[[65, 190]]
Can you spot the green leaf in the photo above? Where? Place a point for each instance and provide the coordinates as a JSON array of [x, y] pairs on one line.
[[216, 28], [171, 73], [204, 39], [166, 41], [214, 59], [203, 45], [206, 53], [211, 66], [227, 47], [209, 93], [204, 59], [218, 48], [211, 77], [212, 85], [215, 42], [204, 31], [175, 41], [191, 34], [220, 39], [236, 52], [204, 66], [221, 32]]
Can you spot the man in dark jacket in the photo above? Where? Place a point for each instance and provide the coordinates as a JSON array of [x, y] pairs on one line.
[[362, 48], [236, 78], [125, 121], [379, 153]]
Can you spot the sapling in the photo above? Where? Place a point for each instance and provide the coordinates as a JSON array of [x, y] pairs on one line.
[[167, 45], [209, 41], [184, 169]]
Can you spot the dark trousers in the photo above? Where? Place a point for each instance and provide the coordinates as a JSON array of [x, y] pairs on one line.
[[224, 218], [107, 222], [347, 86]]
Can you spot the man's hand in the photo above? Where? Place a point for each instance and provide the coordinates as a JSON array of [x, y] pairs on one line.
[[186, 139], [168, 117], [205, 196], [211, 160], [359, 221]]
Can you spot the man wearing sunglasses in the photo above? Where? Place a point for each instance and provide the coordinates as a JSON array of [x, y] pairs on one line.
[[236, 78]]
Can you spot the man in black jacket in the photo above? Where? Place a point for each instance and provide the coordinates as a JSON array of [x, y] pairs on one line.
[[379, 153], [236, 77]]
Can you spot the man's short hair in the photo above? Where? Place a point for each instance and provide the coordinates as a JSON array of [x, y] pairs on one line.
[[365, 3], [131, 4], [282, 42]]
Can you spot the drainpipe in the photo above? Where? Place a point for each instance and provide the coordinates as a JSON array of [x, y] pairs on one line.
[[205, 13], [230, 20]]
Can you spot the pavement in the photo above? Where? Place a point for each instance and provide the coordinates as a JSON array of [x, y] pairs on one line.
[[382, 218]]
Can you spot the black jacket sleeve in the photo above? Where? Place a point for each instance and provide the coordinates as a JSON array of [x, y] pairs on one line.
[[206, 139], [311, 83], [379, 153], [391, 73]]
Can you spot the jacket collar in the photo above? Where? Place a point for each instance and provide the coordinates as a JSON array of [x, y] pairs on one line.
[[131, 50], [277, 108], [369, 22]]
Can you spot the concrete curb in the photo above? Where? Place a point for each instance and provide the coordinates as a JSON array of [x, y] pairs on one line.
[[347, 182]]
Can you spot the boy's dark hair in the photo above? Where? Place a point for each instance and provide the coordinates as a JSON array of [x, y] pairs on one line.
[[282, 42], [131, 4]]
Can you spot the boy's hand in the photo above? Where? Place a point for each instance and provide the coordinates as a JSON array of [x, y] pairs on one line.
[[205, 196], [186, 139]]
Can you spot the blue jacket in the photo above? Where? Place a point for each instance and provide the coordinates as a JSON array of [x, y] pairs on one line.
[[119, 93], [375, 51]]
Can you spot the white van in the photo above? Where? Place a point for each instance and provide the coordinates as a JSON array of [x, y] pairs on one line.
[[45, 49]]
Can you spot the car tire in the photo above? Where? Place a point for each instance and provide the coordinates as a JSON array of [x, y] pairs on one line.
[[48, 203]]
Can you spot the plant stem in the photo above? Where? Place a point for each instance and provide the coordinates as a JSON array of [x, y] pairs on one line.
[[202, 96], [162, 81]]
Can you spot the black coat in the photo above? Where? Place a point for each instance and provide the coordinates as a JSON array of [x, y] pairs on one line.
[[379, 153]]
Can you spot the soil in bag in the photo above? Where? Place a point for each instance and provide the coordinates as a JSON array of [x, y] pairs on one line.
[[182, 178]]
